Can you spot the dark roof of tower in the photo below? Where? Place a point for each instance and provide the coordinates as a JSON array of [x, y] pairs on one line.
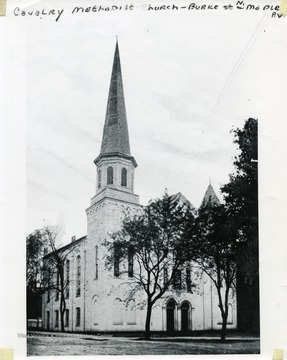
[[210, 197], [115, 136]]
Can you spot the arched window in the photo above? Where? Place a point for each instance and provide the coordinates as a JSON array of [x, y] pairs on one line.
[[130, 262], [116, 261], [230, 314], [117, 312], [48, 320], [57, 285], [124, 177], [188, 279], [67, 279], [165, 275], [78, 316], [57, 318], [99, 178], [49, 285], [95, 311], [78, 290], [96, 262], [67, 317], [177, 280], [110, 175], [131, 313]]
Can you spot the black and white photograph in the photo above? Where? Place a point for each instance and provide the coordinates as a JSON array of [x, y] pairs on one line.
[[145, 146]]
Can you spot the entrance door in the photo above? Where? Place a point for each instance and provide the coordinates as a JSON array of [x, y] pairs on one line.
[[184, 317], [170, 316]]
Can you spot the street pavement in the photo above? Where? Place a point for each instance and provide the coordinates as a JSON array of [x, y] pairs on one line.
[[47, 344]]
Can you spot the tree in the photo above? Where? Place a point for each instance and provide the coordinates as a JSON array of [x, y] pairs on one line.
[[46, 265], [34, 254], [216, 252], [241, 198], [158, 243], [241, 193], [55, 266]]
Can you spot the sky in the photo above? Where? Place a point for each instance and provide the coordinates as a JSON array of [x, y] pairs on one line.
[[189, 78]]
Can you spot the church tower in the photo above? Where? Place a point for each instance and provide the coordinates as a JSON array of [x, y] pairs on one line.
[[115, 164], [113, 200]]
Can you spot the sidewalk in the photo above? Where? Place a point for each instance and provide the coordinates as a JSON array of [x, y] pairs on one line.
[[136, 337]]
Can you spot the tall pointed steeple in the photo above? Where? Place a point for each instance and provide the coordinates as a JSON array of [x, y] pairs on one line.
[[115, 164], [115, 135], [115, 138], [210, 197]]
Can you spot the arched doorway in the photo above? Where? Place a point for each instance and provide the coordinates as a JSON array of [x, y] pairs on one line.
[[170, 307], [185, 311]]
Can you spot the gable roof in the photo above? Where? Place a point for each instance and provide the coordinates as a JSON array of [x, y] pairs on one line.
[[70, 245], [182, 200]]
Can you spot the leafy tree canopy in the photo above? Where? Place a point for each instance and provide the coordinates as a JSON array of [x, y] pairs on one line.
[[217, 253], [35, 245], [241, 193], [160, 242]]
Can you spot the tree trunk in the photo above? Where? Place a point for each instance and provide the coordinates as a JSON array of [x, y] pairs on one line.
[[148, 318], [62, 294], [62, 311], [224, 313], [224, 325]]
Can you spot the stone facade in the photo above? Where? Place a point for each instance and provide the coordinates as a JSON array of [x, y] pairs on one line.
[[97, 300]]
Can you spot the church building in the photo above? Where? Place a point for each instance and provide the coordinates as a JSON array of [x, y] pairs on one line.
[[96, 297]]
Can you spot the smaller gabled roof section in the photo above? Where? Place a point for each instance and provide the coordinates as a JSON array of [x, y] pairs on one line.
[[210, 197], [71, 244], [182, 200]]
